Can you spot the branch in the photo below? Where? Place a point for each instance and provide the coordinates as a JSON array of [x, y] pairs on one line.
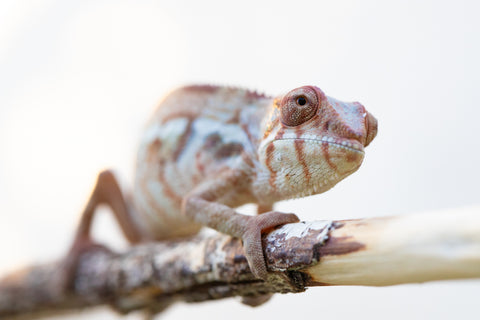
[[376, 252]]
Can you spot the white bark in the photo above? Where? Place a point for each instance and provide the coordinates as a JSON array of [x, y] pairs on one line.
[[404, 249]]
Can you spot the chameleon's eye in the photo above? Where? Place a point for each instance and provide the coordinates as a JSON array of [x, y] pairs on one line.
[[301, 100], [298, 106]]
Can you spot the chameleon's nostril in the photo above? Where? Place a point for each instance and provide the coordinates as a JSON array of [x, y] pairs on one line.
[[371, 126]]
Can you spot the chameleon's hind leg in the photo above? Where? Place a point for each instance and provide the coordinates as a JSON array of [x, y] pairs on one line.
[[256, 301], [108, 192]]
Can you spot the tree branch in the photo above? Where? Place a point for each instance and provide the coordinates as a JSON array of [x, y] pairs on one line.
[[376, 252]]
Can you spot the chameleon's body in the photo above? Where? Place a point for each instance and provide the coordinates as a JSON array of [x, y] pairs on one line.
[[209, 149], [196, 134]]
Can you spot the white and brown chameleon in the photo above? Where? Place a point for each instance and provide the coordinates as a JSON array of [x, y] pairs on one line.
[[209, 149]]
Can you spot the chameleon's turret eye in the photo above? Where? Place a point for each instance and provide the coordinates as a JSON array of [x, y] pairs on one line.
[[298, 106], [301, 101]]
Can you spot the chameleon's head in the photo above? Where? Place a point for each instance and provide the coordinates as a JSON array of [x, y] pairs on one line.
[[312, 141]]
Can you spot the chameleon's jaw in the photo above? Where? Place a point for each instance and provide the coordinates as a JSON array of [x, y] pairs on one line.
[[298, 167]]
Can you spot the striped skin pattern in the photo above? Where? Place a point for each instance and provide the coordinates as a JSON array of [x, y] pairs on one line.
[[209, 149]]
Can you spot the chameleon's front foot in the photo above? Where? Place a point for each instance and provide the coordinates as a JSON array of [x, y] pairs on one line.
[[252, 238]]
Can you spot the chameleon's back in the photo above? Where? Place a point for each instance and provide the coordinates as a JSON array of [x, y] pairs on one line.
[[196, 132]]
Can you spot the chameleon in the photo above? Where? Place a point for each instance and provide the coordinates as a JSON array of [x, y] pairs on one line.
[[210, 149]]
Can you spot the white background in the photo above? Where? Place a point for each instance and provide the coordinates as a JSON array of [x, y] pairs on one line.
[[79, 78]]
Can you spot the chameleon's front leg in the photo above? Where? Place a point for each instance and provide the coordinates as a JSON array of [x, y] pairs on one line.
[[258, 300], [201, 206]]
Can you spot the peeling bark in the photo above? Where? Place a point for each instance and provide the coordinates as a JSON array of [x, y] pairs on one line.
[[377, 251]]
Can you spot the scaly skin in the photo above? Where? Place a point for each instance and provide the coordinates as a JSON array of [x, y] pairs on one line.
[[209, 149]]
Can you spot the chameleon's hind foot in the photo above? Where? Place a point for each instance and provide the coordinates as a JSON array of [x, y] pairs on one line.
[[69, 265], [256, 301]]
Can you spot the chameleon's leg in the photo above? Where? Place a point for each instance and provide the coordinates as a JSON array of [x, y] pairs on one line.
[[201, 206], [256, 301], [249, 228], [106, 191]]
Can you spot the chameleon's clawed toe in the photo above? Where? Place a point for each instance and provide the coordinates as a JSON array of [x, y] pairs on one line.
[[252, 238]]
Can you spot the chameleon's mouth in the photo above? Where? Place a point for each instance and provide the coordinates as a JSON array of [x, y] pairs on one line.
[[350, 145]]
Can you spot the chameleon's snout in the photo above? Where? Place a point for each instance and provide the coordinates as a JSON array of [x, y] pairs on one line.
[[371, 125], [351, 121]]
